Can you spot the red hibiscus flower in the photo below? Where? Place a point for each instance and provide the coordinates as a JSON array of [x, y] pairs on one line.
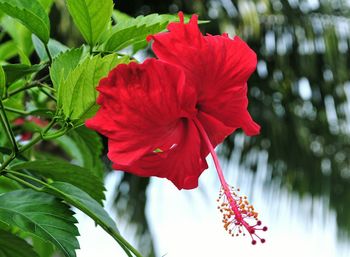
[[164, 116]]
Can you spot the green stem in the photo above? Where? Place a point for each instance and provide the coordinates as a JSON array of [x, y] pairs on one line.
[[34, 141], [26, 113], [123, 243], [6, 124], [36, 83], [21, 181], [48, 94], [48, 53]]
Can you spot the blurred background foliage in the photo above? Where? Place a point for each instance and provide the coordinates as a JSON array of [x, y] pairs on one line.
[[299, 94]]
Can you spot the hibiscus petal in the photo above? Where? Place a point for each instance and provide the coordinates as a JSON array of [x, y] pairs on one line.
[[217, 67], [182, 164], [146, 113]]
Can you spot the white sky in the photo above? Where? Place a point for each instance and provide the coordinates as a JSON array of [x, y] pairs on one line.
[[187, 223]]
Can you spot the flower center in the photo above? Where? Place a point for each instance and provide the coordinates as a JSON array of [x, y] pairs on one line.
[[238, 214]]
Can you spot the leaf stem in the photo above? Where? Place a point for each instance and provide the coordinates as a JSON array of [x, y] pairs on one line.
[[48, 53], [6, 124], [35, 83]]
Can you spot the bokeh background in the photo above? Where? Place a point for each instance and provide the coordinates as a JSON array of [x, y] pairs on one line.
[[297, 171]]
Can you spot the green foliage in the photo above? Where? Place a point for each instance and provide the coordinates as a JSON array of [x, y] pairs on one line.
[[91, 17], [84, 202], [55, 48], [47, 91], [7, 50], [2, 82], [40, 215], [31, 14], [77, 94], [133, 31], [66, 172], [63, 64], [13, 246], [15, 72], [84, 146]]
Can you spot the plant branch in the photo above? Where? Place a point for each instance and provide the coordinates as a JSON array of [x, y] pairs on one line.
[[35, 83], [48, 53], [6, 124], [34, 141]]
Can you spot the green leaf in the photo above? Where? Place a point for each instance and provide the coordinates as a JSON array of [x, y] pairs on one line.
[[31, 14], [17, 71], [7, 50], [77, 94], [83, 202], [55, 48], [42, 248], [19, 33], [129, 31], [13, 246], [85, 147], [66, 172], [41, 215], [2, 82], [91, 17], [63, 64], [90, 207], [7, 185]]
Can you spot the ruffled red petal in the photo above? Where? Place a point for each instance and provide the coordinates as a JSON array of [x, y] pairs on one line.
[[146, 113], [218, 68], [182, 164]]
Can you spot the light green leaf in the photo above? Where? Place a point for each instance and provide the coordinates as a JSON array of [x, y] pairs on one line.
[[7, 50], [66, 172], [77, 94], [63, 65], [31, 14], [130, 31], [17, 71], [19, 33], [2, 82], [46, 4], [54, 46], [91, 17], [41, 215], [13, 246]]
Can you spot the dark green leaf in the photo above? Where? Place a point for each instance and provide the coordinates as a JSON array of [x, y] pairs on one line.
[[83, 202], [13, 246], [66, 172], [41, 215], [77, 94], [29, 13], [16, 71], [7, 185], [54, 46], [64, 64], [84, 146], [91, 17]]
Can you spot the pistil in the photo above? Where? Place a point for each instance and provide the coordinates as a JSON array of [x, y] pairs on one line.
[[238, 214]]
